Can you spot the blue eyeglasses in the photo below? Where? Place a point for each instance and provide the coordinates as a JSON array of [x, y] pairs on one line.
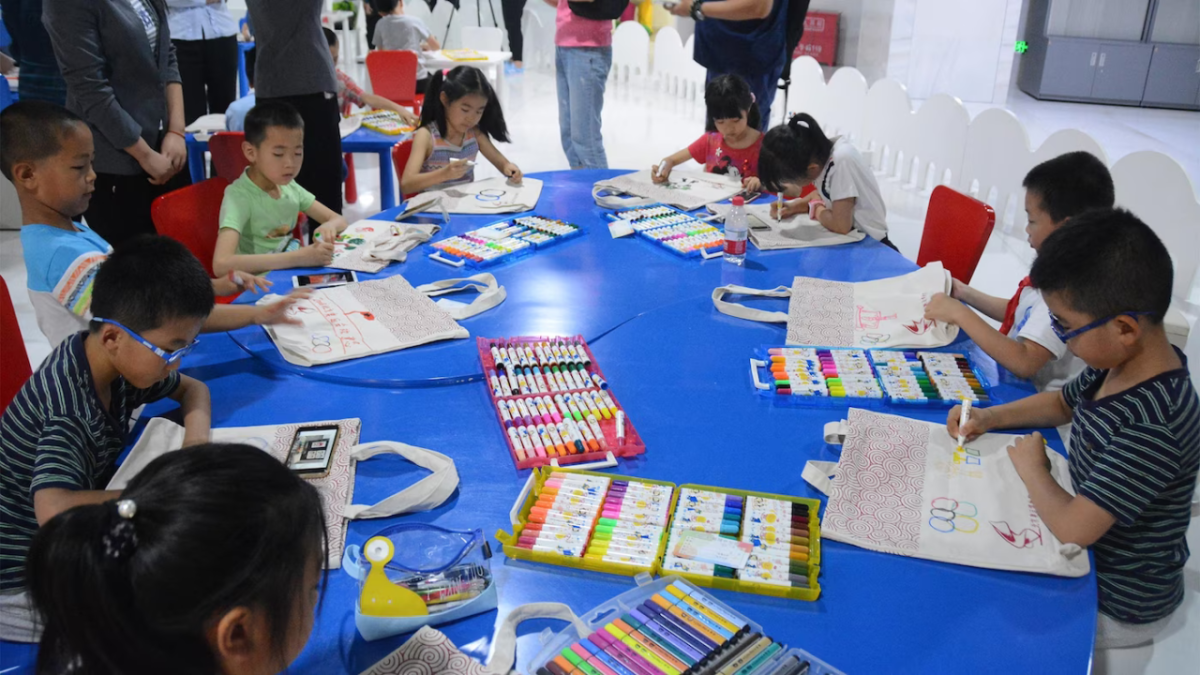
[[1065, 335], [169, 357]]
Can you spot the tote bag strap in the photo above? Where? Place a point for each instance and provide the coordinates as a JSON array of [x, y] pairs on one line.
[[490, 294], [820, 475], [743, 312], [608, 197], [504, 644], [427, 493]]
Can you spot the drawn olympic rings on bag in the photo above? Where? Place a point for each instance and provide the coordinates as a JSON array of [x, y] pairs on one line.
[[491, 195], [321, 344], [950, 515]]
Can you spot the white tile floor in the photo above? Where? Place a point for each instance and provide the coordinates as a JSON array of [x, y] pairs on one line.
[[642, 126]]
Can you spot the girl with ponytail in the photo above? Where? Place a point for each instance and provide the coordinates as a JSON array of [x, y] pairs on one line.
[[460, 118], [208, 564], [731, 142], [798, 154]]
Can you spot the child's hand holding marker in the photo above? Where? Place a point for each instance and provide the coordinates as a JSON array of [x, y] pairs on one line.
[[457, 168], [662, 172], [782, 209], [1029, 455], [966, 423], [319, 254]]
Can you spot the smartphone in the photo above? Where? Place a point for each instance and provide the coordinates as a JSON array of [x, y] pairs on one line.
[[312, 450], [327, 280], [755, 223], [748, 195]]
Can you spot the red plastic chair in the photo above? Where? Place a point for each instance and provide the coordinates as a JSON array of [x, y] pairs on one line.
[[14, 360], [394, 76], [351, 181], [957, 228], [191, 216], [228, 159], [400, 154]]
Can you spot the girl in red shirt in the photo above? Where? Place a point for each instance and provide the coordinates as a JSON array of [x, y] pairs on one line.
[[731, 140]]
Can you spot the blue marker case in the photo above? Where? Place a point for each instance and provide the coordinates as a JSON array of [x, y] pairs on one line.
[[661, 224], [503, 241], [765, 383]]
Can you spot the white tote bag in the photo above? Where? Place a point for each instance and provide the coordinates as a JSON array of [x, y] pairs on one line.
[[374, 317], [867, 314], [687, 190], [371, 245], [798, 231], [493, 195], [902, 486], [337, 488]]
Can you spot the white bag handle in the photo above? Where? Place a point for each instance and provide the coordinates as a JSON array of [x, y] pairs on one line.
[[615, 201], [490, 294], [427, 493], [504, 644], [744, 312], [835, 432], [820, 475]]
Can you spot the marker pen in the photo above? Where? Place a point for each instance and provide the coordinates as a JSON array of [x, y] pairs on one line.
[[524, 412], [653, 628], [525, 442], [579, 663], [516, 443], [583, 353], [558, 377], [599, 381], [581, 377], [600, 403], [668, 622], [615, 661], [668, 607], [732, 621], [513, 358], [619, 651], [645, 646], [514, 387], [496, 359], [495, 382], [612, 405], [562, 477], [544, 438], [573, 490], [543, 538], [536, 440], [562, 500], [576, 413], [561, 403], [559, 447], [573, 434], [589, 438], [636, 647], [530, 357], [568, 551], [597, 431], [585, 404], [599, 656], [620, 414], [536, 404], [541, 381], [523, 383]]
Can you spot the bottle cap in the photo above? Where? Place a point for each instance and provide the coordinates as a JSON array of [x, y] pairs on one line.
[[739, 201]]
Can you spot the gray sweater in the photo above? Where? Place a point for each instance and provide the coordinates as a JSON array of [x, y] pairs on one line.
[[291, 52], [114, 81]]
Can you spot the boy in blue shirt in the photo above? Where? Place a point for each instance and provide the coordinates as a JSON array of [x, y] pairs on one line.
[[47, 154], [61, 435], [235, 114], [1135, 438]]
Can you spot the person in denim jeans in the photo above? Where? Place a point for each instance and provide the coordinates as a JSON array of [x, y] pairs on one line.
[[583, 58]]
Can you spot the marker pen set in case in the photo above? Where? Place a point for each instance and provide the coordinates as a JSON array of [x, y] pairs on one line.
[[677, 231], [778, 530], [502, 240], [675, 629], [596, 518], [885, 375], [552, 400]]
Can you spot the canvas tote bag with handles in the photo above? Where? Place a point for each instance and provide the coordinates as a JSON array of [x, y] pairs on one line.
[[867, 314], [337, 487], [903, 486], [374, 317], [687, 190]]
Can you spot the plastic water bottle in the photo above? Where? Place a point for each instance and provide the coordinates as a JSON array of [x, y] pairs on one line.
[[736, 231]]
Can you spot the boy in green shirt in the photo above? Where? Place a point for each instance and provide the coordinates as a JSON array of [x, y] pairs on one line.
[[260, 208]]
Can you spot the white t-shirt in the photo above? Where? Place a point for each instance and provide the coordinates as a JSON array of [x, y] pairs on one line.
[[847, 175], [1033, 323]]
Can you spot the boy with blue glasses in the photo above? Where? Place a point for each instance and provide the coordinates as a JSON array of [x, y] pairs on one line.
[[1135, 440], [61, 435]]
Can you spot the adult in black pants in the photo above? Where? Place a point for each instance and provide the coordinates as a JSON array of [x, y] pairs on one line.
[[512, 10], [205, 38], [293, 65], [122, 78]]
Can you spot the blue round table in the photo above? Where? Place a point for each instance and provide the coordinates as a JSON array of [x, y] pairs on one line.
[[680, 370]]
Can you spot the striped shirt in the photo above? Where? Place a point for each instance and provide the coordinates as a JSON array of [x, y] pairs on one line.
[[1136, 455], [149, 19], [444, 151], [57, 434]]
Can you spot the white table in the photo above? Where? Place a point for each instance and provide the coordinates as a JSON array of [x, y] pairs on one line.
[[494, 63]]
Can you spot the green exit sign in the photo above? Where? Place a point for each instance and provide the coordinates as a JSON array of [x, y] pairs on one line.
[[1022, 47]]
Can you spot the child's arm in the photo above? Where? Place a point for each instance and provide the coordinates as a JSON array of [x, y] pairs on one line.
[[840, 218], [791, 207], [381, 103], [49, 502], [238, 281], [991, 306], [488, 149], [430, 44], [332, 224], [226, 258], [1074, 519], [671, 161], [1047, 409], [195, 405], [232, 317], [413, 180], [1022, 358]]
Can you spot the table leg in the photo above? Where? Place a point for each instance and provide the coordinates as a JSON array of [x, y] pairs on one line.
[[387, 189], [501, 83], [196, 153], [243, 83]]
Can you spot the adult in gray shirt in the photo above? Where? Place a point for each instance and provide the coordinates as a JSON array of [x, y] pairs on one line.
[[293, 65], [119, 65]]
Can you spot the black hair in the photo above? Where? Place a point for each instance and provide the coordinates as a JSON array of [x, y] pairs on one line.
[[726, 97], [32, 131], [216, 527], [269, 114], [386, 6], [789, 149], [1070, 184], [251, 57], [330, 36], [456, 84], [148, 281], [1105, 263]]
